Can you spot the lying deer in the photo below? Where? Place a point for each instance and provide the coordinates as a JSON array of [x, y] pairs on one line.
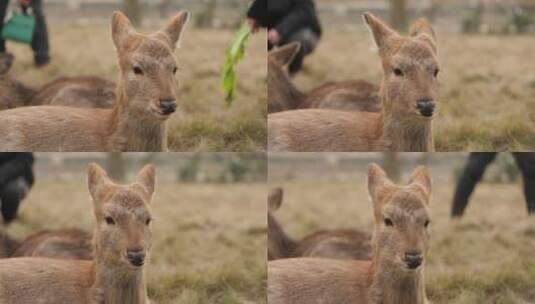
[[81, 91], [408, 93], [353, 95], [63, 244], [146, 97], [122, 240], [395, 275], [335, 244]]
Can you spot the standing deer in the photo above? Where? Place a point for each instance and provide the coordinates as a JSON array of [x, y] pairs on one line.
[[395, 275], [146, 97], [352, 95], [80, 91], [408, 93], [121, 240], [335, 244], [62, 244]]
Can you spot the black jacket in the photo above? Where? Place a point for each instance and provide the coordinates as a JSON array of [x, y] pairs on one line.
[[15, 165], [286, 16]]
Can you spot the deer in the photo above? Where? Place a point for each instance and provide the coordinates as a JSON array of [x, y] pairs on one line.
[[121, 244], [62, 244], [394, 275], [335, 244], [78, 91], [408, 94], [146, 98], [283, 95]]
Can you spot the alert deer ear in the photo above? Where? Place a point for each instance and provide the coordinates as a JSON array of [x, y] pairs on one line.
[[275, 199], [285, 54], [382, 34], [121, 29], [97, 183], [421, 29], [421, 180], [146, 178], [379, 187], [174, 28]]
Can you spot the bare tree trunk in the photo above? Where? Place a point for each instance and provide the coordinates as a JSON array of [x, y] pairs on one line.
[[116, 166], [132, 9], [398, 14], [392, 165]]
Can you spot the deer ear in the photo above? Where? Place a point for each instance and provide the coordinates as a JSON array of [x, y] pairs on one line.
[[421, 29], [379, 187], [147, 179], [285, 54], [97, 183], [121, 29], [275, 199], [381, 33], [174, 28], [420, 178]]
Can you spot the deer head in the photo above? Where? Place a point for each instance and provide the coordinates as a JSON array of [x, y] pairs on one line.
[[401, 218], [147, 67], [410, 65], [282, 94], [123, 218]]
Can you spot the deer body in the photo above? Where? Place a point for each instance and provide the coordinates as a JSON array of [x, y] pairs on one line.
[[146, 97], [408, 92], [121, 244], [283, 95], [395, 273], [64, 244]]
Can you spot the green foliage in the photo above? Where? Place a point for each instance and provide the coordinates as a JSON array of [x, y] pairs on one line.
[[235, 53]]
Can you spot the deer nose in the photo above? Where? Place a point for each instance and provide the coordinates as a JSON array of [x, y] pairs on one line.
[[413, 259], [167, 106], [136, 256], [426, 107]]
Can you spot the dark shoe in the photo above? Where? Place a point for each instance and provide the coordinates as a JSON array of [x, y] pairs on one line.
[[42, 61], [6, 61]]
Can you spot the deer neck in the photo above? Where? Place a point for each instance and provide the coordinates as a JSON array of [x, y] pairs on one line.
[[132, 133], [390, 285], [403, 133], [116, 284]]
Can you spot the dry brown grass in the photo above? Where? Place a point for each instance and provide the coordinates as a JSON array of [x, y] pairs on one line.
[[203, 123], [209, 240], [487, 257], [487, 85]]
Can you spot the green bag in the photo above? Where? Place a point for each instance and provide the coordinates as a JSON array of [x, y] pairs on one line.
[[19, 28]]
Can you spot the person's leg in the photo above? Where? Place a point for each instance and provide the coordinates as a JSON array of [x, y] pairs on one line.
[[472, 173], [526, 164], [3, 9], [11, 196], [40, 36], [308, 40]]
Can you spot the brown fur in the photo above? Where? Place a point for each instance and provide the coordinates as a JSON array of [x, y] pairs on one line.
[[135, 123], [64, 244], [122, 214], [336, 244], [386, 279], [353, 95], [399, 127]]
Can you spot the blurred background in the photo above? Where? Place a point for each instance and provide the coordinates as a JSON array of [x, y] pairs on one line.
[[209, 214], [482, 256], [80, 44], [487, 95]]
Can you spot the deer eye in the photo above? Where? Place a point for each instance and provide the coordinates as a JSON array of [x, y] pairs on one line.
[[435, 73], [398, 72], [174, 70], [137, 70], [388, 222], [109, 220], [147, 221], [426, 224]]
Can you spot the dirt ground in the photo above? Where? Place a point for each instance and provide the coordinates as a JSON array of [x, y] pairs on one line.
[[208, 240], [487, 257], [487, 100], [203, 122]]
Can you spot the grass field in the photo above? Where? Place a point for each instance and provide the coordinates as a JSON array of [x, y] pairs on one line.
[[487, 98], [487, 257], [208, 240], [203, 122]]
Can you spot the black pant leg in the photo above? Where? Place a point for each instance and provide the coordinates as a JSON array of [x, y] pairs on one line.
[[472, 173], [3, 10], [526, 164], [40, 44]]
